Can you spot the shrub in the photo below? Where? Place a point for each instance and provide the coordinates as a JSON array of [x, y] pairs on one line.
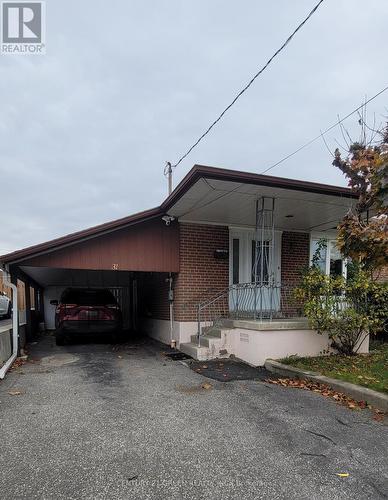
[[347, 310]]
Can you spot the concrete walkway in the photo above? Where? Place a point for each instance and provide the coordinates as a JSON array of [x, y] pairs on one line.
[[96, 422]]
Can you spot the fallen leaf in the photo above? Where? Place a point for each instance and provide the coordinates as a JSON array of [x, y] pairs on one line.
[[327, 391]]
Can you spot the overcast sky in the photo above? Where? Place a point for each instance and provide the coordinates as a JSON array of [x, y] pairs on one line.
[[85, 130]]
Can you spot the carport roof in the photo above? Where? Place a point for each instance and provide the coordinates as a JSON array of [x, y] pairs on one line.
[[171, 204]]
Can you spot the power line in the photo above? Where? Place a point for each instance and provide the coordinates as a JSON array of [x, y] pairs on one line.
[[249, 84], [324, 132], [198, 206]]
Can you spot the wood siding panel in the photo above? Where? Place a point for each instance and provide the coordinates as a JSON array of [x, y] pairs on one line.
[[149, 246]]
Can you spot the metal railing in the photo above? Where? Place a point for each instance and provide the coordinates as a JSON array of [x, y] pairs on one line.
[[248, 301]]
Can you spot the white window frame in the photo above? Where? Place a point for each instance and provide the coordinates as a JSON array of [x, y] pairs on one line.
[[246, 235], [328, 238]]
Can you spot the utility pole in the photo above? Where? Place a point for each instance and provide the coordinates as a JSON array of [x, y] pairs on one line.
[[168, 173]]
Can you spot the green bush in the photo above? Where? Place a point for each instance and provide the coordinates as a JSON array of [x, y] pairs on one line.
[[347, 310]]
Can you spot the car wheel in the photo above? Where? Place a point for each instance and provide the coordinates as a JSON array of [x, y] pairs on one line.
[[60, 338]]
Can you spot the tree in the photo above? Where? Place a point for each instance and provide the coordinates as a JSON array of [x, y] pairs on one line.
[[352, 309], [363, 233]]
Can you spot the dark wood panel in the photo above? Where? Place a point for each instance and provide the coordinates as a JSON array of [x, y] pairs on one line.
[[148, 246]]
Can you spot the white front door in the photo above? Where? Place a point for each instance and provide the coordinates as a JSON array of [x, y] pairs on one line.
[[242, 248]]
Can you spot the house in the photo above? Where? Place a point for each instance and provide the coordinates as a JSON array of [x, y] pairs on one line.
[[219, 256]]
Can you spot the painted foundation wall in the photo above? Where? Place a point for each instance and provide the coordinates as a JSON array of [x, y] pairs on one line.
[[251, 346], [254, 347], [159, 329]]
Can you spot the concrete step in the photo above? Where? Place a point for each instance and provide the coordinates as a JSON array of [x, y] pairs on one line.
[[192, 349], [213, 331], [206, 340]]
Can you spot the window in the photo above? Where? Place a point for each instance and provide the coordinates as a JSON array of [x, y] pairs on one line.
[[321, 255], [236, 261], [329, 259], [262, 262]]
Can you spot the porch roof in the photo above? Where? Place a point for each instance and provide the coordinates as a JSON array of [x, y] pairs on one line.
[[223, 196], [215, 195]]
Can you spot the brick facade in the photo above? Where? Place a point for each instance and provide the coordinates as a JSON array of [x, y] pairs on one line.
[[153, 295], [382, 274], [295, 255], [201, 274]]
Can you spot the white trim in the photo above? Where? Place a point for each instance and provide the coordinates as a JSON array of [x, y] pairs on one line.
[[202, 223], [327, 235], [328, 239], [246, 236], [241, 227]]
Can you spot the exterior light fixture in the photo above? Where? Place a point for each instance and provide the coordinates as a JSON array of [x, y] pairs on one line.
[[168, 219]]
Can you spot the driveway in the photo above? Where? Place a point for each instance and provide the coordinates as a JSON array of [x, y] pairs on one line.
[[100, 422]]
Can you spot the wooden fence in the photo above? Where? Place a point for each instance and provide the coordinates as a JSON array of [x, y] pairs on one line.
[[21, 293]]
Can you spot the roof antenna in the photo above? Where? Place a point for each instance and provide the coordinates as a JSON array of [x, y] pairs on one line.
[[168, 174]]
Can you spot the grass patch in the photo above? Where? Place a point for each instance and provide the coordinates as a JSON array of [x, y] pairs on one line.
[[369, 370]]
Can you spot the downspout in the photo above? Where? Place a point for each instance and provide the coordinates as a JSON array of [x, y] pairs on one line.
[[171, 304], [168, 173], [15, 324]]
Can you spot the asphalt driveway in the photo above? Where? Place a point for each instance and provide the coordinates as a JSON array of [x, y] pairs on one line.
[[103, 422]]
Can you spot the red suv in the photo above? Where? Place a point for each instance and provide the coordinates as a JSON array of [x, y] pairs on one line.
[[86, 310]]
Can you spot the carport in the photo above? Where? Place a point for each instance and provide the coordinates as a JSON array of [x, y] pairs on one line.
[[134, 257]]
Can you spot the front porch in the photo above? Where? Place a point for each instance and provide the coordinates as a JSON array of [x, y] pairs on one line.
[[254, 341], [244, 241]]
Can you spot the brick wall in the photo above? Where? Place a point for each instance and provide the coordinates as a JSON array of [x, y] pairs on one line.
[[153, 295], [382, 274], [295, 255], [201, 275], [294, 258]]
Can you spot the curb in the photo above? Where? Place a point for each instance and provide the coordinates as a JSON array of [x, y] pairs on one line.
[[357, 392]]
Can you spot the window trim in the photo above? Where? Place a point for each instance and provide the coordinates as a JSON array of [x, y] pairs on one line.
[[328, 238]]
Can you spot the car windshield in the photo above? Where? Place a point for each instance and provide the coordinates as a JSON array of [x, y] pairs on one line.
[[88, 297]]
